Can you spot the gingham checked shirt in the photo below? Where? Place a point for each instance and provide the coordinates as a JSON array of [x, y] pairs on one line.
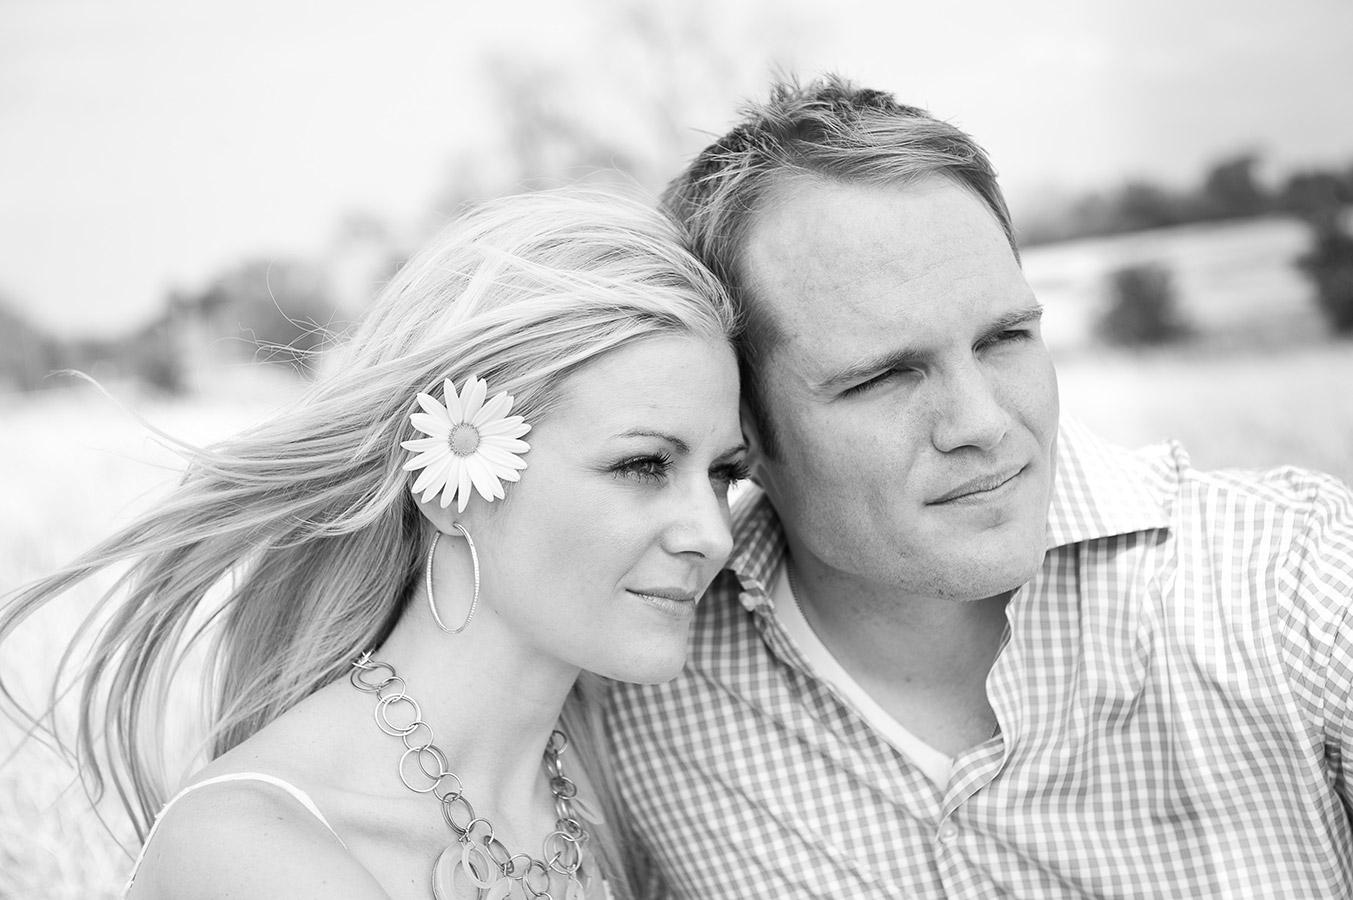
[[1173, 698]]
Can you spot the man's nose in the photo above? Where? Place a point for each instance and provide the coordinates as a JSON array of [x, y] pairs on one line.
[[968, 410]]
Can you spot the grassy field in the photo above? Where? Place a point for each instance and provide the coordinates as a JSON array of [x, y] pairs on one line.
[[72, 466], [1257, 408]]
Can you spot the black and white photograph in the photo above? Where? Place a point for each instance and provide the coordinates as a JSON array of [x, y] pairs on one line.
[[591, 450]]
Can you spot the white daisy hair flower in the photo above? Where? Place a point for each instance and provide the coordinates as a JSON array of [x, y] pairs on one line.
[[469, 443]]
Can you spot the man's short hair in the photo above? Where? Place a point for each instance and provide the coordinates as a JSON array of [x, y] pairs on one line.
[[827, 129]]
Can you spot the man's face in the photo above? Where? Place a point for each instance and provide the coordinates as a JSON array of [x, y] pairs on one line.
[[914, 403]]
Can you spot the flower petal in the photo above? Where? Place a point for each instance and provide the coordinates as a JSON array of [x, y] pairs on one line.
[[453, 407], [430, 405], [453, 476], [432, 476], [472, 397], [493, 410], [500, 458], [432, 425], [427, 458], [483, 479], [512, 426], [462, 485], [420, 444], [509, 444], [437, 487], [449, 488]]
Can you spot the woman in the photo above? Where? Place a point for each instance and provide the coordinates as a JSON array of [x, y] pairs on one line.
[[514, 481]]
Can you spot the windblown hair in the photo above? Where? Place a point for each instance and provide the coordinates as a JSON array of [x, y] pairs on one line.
[[305, 525], [830, 130]]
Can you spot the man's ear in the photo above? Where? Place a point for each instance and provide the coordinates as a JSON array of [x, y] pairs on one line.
[[751, 436]]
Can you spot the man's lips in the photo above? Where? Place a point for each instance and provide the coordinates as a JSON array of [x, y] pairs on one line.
[[977, 488]]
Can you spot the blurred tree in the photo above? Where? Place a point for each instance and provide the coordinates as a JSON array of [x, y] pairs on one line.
[[1142, 309], [626, 115], [1329, 264], [27, 353], [361, 256], [1230, 190], [1321, 199], [1140, 205], [1316, 196], [152, 356], [279, 308]]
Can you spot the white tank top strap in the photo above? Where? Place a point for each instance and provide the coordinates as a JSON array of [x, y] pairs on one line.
[[297, 794]]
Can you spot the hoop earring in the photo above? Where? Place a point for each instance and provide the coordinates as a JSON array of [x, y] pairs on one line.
[[427, 575]]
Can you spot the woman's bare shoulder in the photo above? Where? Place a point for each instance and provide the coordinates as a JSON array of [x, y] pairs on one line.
[[247, 839]]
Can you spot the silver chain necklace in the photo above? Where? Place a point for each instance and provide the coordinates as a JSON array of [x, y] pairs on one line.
[[483, 859]]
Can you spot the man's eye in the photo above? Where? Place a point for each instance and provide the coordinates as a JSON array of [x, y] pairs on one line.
[[730, 474], [1009, 336], [878, 380]]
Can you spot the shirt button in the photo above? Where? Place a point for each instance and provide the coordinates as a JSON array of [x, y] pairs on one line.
[[948, 831]]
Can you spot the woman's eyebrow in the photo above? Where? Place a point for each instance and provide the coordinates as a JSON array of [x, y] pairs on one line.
[[675, 441]]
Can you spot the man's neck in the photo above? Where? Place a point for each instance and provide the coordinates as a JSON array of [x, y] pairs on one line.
[[923, 659]]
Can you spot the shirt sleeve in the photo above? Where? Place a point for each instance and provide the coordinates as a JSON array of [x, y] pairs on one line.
[[1323, 554]]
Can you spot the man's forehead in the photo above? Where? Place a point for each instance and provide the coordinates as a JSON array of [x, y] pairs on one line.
[[809, 233], [800, 249], [836, 267]]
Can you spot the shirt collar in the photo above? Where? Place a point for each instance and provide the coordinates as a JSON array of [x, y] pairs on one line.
[[758, 547], [1101, 490]]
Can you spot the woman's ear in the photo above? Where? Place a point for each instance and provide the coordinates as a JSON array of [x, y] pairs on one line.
[[443, 518]]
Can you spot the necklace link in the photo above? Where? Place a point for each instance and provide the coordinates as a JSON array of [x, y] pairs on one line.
[[483, 858]]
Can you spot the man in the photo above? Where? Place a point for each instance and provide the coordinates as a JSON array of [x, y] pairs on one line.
[[960, 650]]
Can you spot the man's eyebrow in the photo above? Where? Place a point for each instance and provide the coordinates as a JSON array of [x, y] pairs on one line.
[[1014, 319], [733, 451], [897, 358], [907, 357], [681, 446]]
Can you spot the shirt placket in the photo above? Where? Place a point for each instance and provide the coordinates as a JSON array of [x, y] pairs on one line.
[[914, 794], [957, 850]]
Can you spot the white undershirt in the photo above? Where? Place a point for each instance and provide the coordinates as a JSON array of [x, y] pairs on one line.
[[824, 665]]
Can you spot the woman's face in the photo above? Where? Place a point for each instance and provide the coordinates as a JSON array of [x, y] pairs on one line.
[[620, 520]]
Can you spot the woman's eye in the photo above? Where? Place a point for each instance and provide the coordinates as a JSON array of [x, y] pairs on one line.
[[646, 469]]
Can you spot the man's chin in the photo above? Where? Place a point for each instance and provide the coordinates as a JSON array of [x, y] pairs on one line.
[[993, 576]]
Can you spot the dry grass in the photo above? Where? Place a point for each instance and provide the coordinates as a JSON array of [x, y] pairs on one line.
[[1254, 408], [72, 466]]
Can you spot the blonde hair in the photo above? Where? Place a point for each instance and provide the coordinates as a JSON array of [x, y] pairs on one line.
[[306, 522]]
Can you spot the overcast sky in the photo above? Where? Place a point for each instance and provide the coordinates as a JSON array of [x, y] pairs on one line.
[[147, 143]]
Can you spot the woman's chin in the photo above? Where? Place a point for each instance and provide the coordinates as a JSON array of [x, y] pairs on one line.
[[655, 668]]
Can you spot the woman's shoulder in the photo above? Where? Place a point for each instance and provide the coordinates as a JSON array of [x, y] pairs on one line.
[[251, 835]]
